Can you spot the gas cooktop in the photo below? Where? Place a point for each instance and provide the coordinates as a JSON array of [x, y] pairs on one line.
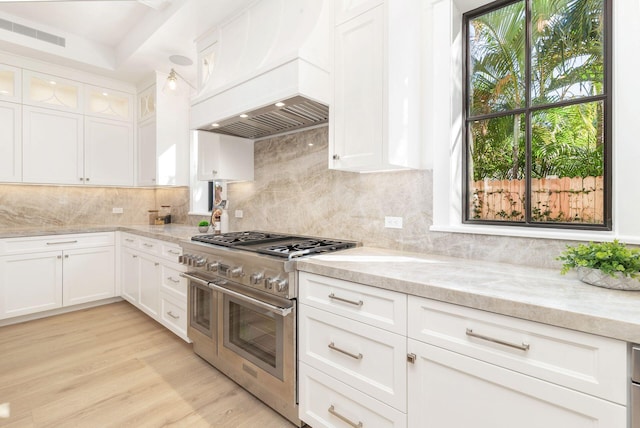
[[274, 244]]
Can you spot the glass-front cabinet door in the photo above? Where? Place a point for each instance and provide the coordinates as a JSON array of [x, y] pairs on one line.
[[107, 103], [49, 91], [10, 79]]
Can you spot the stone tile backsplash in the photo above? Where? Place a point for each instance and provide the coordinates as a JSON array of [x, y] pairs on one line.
[[25, 205]]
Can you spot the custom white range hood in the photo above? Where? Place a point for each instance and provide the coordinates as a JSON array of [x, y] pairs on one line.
[[273, 51]]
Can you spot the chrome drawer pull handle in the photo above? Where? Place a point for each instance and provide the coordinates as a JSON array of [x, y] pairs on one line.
[[344, 419], [175, 281], [128, 239], [354, 356], [148, 245], [62, 242], [523, 347], [351, 302], [173, 252], [175, 317]]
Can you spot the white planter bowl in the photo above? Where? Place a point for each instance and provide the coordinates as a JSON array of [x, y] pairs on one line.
[[203, 229], [598, 278]]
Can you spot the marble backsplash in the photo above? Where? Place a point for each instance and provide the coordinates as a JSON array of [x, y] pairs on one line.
[[25, 205], [295, 192]]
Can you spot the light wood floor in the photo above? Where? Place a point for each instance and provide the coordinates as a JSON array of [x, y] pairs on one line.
[[112, 366]]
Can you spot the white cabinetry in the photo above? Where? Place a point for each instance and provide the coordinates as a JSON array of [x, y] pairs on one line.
[[223, 157], [352, 354], [30, 283], [52, 146], [34, 277], [507, 372], [151, 280], [108, 152], [10, 140], [10, 83], [375, 115], [163, 135], [52, 92]]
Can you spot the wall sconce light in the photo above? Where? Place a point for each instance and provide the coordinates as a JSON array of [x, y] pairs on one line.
[[172, 80]]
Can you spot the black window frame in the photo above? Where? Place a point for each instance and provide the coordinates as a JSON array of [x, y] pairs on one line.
[[527, 111]]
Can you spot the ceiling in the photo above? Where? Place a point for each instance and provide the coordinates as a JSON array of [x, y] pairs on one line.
[[121, 39]]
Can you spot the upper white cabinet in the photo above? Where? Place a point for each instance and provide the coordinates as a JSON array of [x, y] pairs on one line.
[[10, 83], [52, 92], [163, 135], [224, 158], [375, 116], [107, 103], [108, 152], [10, 141], [52, 146]]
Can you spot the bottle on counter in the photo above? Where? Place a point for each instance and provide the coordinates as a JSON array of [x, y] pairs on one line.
[[224, 222], [216, 224], [165, 213]]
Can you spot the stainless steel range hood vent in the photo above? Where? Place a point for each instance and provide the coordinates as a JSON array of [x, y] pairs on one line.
[[296, 113]]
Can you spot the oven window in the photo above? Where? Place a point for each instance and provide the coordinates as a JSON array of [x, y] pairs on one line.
[[254, 332], [201, 309]]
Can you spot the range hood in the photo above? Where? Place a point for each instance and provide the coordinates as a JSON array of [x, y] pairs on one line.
[[268, 70]]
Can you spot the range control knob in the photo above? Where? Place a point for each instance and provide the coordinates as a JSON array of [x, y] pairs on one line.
[[199, 261], [235, 272], [283, 285], [255, 278], [279, 285], [213, 266]]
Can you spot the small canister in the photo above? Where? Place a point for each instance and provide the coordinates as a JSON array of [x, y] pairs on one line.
[[165, 213], [153, 215]]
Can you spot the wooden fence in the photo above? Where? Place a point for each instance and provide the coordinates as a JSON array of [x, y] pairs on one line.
[[577, 200]]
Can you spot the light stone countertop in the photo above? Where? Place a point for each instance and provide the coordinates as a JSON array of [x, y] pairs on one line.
[[534, 294]]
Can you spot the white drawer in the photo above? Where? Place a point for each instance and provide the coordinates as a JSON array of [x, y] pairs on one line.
[[29, 244], [327, 402], [172, 283], [173, 315], [170, 251], [367, 358], [381, 308], [130, 240], [592, 364], [150, 246]]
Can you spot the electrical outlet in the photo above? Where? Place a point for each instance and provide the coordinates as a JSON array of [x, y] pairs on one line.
[[117, 210], [239, 214], [393, 222]]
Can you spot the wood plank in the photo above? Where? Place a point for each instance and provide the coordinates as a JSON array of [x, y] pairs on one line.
[[112, 366]]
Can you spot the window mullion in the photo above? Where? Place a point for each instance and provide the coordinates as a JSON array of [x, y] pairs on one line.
[[527, 95]]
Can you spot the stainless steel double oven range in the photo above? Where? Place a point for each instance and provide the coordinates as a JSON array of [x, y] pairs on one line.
[[242, 308]]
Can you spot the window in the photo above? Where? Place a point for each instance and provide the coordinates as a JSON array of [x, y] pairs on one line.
[[537, 109]]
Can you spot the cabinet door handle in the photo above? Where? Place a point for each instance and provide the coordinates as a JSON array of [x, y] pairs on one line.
[[351, 302], [156, 264], [175, 281], [134, 256], [344, 419], [523, 347], [175, 317], [87, 179], [148, 245], [357, 356], [62, 242], [128, 239], [336, 157], [412, 358], [173, 252]]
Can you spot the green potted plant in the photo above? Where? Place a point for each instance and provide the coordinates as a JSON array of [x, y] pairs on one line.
[[203, 226], [604, 264]]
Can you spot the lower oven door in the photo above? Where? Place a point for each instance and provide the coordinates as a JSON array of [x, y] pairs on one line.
[[257, 347]]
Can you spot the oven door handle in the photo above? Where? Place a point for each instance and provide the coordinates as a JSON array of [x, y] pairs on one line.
[[194, 279], [247, 299]]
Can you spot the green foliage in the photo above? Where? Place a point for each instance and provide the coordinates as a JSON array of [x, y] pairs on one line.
[[609, 257], [203, 223]]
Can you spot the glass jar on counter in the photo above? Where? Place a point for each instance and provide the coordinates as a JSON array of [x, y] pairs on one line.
[[153, 216], [165, 213]]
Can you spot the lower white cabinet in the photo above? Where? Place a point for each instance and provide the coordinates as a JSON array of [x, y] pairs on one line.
[[447, 389], [453, 366], [151, 281], [36, 278], [89, 275], [30, 283]]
